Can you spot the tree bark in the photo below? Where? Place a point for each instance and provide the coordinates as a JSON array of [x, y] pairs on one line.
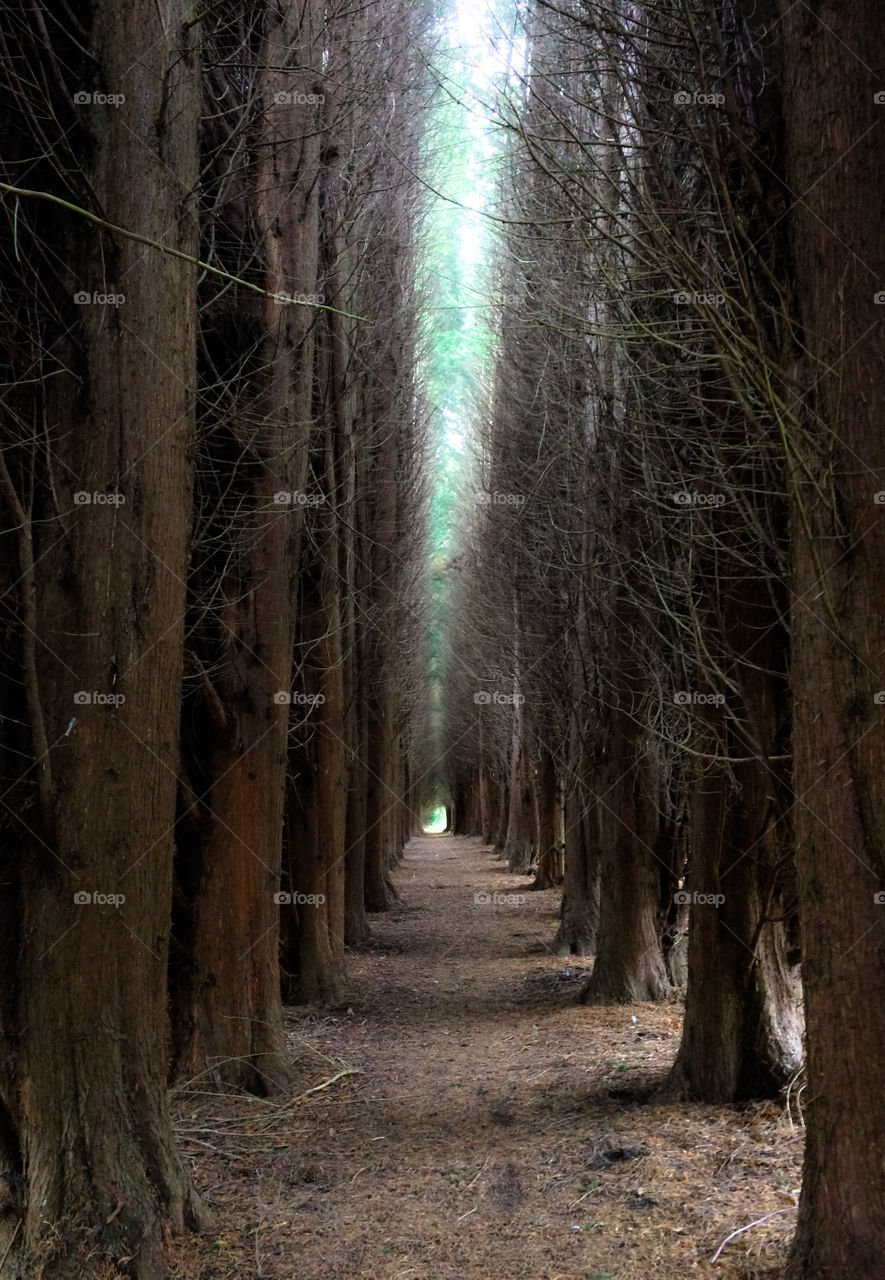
[[521, 839], [86, 1112], [318, 789], [742, 1032], [227, 995], [547, 874], [837, 167], [579, 916], [629, 962]]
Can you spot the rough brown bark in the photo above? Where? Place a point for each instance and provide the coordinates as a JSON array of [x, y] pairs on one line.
[[382, 792], [227, 994], [100, 1177], [629, 961], [548, 874], [379, 891], [318, 804], [486, 790], [836, 167], [356, 922], [521, 838], [742, 1032], [579, 915]]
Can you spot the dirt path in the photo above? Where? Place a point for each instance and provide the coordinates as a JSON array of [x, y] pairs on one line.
[[496, 1130]]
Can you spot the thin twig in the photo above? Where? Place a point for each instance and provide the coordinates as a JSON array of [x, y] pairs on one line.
[[351, 1071], [11, 1243], [169, 251], [747, 1228]]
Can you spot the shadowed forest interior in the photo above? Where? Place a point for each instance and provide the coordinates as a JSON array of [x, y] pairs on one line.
[[442, 716]]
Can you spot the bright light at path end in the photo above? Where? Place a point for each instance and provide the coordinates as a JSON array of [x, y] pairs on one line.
[[435, 822]]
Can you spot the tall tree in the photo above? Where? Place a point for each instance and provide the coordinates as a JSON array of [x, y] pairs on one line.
[[261, 223], [96, 477], [835, 169]]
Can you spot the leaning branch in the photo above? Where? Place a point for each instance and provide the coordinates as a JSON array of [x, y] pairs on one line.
[[169, 251]]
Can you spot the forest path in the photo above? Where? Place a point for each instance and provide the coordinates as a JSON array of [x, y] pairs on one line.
[[496, 1129]]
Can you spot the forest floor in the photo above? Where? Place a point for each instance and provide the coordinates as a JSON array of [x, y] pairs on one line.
[[470, 1121]]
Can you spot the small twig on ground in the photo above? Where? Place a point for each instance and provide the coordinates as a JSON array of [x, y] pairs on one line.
[[476, 1175], [740, 1230], [11, 1243], [351, 1071]]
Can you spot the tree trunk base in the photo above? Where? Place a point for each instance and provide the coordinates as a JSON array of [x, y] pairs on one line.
[[381, 895], [357, 931], [574, 938], [519, 857], [328, 988], [650, 988], [79, 1248], [545, 881]]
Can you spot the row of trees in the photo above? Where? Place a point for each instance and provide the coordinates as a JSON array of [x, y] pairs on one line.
[[665, 669], [211, 564]]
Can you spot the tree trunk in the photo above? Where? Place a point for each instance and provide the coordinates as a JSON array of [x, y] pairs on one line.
[[521, 839], [629, 961], [547, 874], [836, 164], [320, 778], [579, 916], [486, 796], [356, 922], [379, 891], [742, 1032], [318, 804], [227, 996], [86, 1113]]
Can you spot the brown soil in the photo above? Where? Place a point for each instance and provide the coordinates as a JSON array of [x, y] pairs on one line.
[[496, 1129]]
